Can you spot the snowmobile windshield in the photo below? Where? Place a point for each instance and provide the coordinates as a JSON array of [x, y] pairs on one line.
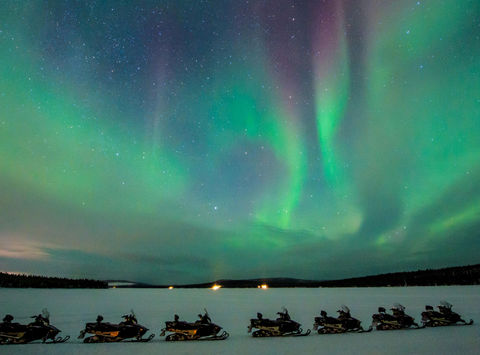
[[445, 304], [45, 314], [345, 308], [130, 319], [398, 306]]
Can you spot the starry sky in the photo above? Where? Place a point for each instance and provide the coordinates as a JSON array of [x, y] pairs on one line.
[[186, 141]]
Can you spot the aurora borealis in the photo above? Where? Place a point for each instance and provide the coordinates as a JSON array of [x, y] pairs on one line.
[[186, 141]]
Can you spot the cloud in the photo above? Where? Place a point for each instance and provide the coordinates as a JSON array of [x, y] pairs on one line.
[[20, 247]]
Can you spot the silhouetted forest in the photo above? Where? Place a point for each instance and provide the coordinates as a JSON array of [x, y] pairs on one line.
[[29, 281], [461, 275]]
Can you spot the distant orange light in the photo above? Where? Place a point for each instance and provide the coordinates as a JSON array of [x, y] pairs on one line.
[[216, 287], [170, 287], [263, 286]]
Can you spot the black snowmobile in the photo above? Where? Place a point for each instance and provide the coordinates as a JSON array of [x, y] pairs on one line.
[[40, 328], [282, 326], [202, 329], [444, 316], [104, 332], [344, 323], [397, 320]]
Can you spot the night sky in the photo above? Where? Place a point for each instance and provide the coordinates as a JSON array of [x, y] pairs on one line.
[[186, 141]]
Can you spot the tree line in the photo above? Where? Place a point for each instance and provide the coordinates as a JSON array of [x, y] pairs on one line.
[[31, 281], [461, 275]]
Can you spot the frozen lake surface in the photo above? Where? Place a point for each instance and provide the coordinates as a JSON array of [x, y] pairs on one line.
[[232, 309]]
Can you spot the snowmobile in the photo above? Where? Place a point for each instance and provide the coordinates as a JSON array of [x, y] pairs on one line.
[[445, 316], [397, 320], [104, 332], [282, 326], [344, 323], [40, 328], [202, 329]]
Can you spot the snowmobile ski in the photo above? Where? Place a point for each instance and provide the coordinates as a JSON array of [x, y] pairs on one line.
[[262, 333], [301, 334], [140, 340], [58, 340], [438, 324], [224, 335]]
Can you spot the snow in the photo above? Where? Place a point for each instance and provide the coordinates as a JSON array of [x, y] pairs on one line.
[[232, 309]]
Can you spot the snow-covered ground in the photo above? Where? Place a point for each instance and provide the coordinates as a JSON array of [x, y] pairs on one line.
[[232, 309]]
